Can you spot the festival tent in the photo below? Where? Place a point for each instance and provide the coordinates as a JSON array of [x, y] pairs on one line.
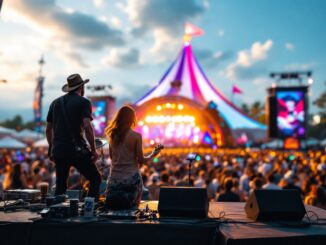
[[28, 135], [323, 142], [9, 142], [41, 143], [312, 142], [6, 131], [274, 144], [186, 78]]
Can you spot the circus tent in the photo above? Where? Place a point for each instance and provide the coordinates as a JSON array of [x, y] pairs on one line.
[[186, 78], [218, 121]]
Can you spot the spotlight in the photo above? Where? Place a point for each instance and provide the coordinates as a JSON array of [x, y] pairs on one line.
[[212, 105], [316, 119]]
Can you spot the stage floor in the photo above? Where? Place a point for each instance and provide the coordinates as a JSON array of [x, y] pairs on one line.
[[18, 228]]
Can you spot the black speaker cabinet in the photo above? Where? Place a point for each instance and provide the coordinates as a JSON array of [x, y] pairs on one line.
[[275, 205], [183, 202], [271, 112]]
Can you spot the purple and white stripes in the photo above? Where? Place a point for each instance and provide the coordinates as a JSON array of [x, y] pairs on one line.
[[195, 86]]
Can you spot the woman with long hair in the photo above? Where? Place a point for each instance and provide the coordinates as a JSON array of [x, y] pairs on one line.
[[125, 149]]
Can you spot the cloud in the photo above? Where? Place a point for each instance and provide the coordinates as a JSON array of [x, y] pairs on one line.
[[10, 66], [73, 27], [211, 58], [136, 91], [165, 46], [98, 3], [168, 14], [220, 33], [300, 66], [115, 21], [289, 46], [246, 66], [164, 20], [206, 4], [76, 58], [262, 82], [123, 58]]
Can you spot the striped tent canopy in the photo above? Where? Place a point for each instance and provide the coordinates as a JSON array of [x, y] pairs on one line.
[[186, 78]]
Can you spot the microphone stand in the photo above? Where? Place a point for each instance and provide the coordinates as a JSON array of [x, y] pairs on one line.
[[189, 170]]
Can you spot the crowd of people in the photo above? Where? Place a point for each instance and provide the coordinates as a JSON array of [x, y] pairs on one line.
[[227, 175]]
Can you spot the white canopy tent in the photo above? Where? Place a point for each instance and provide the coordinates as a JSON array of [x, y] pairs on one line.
[[323, 142], [6, 131], [28, 135], [312, 142], [41, 143], [273, 144], [11, 143], [44, 143]]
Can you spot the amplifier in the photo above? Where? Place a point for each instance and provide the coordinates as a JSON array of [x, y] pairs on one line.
[[189, 202], [24, 194]]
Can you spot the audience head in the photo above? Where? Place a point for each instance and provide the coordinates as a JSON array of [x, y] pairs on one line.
[[164, 177], [228, 184], [258, 183]]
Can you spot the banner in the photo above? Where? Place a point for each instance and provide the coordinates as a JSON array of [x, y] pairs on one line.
[[37, 104]]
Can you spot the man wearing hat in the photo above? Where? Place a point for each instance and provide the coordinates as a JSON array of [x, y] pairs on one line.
[[69, 117]]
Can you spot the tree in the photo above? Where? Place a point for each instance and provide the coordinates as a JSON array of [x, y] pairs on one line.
[[18, 123], [320, 102], [245, 108], [319, 130], [29, 125], [256, 111], [15, 123]]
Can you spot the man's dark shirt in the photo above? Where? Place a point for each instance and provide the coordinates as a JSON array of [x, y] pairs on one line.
[[228, 196], [77, 108]]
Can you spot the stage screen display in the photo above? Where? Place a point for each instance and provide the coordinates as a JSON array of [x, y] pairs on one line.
[[291, 113], [99, 117]]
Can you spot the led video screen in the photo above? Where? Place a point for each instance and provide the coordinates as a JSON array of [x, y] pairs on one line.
[[291, 113], [99, 117]]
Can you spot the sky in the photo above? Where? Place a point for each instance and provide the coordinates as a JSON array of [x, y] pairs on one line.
[[129, 44]]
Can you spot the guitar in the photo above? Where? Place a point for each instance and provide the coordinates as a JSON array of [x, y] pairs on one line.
[[157, 149]]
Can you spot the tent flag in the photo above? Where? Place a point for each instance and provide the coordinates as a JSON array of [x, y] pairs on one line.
[[192, 30], [236, 90]]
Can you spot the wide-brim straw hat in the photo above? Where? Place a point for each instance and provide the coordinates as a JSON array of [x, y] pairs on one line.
[[73, 81]]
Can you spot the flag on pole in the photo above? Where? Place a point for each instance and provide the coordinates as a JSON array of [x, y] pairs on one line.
[[236, 90], [192, 30]]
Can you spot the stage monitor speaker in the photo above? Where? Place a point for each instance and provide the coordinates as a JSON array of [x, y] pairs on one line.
[[183, 202], [275, 205]]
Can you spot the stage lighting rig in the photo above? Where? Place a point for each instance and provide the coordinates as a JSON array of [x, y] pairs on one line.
[[103, 90], [96, 88], [298, 76]]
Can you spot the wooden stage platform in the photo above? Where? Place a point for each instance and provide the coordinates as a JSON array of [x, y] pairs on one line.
[[228, 225]]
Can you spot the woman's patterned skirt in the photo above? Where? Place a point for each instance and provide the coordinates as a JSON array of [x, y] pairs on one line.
[[124, 194]]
